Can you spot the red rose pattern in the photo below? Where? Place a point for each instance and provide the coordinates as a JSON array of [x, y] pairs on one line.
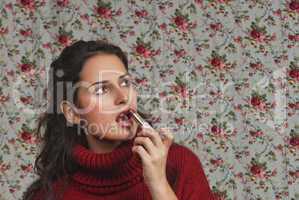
[[258, 103], [294, 141], [216, 26], [26, 100], [26, 33], [178, 37], [294, 38], [63, 3], [28, 4], [217, 63], [179, 121], [181, 23], [26, 136], [104, 12], [26, 67], [294, 74], [64, 40], [143, 51], [217, 162], [294, 105], [141, 13], [256, 66], [294, 5], [256, 133], [181, 90], [257, 171], [257, 35], [3, 31]]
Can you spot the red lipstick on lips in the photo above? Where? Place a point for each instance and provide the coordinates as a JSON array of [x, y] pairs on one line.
[[124, 120]]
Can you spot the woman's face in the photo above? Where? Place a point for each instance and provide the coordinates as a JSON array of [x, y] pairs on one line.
[[106, 90]]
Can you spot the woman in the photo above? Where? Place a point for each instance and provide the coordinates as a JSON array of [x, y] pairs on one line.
[[93, 150]]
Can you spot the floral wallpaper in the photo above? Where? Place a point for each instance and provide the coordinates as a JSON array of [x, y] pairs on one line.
[[222, 74]]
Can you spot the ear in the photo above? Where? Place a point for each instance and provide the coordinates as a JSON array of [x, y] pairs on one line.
[[69, 112]]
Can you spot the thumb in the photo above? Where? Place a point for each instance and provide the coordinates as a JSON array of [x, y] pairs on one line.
[[167, 136]]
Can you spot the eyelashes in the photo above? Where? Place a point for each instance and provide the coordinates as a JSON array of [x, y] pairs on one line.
[[103, 89]]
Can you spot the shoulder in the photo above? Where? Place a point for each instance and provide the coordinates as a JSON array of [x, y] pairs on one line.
[[180, 156], [185, 164], [32, 191], [39, 192], [184, 152]]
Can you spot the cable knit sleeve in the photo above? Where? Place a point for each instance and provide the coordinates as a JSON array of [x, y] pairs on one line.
[[191, 183]]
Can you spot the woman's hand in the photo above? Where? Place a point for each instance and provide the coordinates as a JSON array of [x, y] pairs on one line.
[[153, 152]]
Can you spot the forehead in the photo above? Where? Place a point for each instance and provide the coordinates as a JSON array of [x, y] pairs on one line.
[[102, 67]]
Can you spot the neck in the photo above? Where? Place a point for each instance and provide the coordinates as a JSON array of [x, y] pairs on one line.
[[102, 145]]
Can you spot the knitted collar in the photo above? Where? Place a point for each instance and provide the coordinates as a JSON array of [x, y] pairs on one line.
[[107, 173]]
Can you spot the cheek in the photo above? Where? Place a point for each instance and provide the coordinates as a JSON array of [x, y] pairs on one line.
[[103, 110], [94, 111], [133, 100]]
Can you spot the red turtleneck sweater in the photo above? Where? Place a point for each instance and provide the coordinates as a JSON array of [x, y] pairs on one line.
[[117, 175]]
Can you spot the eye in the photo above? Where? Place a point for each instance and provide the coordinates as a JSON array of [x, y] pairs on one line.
[[101, 89], [126, 82]]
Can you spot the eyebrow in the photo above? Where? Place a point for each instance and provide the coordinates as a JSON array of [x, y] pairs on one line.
[[106, 81]]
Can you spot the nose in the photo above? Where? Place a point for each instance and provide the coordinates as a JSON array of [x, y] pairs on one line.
[[121, 97]]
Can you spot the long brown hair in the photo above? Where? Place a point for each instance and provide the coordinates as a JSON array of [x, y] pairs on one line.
[[57, 140]]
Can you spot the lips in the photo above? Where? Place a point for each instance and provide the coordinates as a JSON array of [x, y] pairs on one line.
[[124, 119]]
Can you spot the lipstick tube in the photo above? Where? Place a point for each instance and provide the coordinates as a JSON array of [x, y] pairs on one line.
[[140, 120], [143, 123]]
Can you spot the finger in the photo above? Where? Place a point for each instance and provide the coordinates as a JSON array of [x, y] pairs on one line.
[[146, 142], [142, 153], [153, 135], [168, 136]]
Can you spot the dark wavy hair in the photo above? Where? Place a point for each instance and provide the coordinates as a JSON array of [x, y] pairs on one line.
[[57, 140]]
